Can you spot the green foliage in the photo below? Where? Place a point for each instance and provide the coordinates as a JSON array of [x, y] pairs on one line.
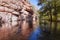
[[50, 6]]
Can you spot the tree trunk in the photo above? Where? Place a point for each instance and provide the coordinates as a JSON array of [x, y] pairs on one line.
[[50, 21], [55, 14]]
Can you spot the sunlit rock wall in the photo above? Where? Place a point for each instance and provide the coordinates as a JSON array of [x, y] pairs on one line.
[[10, 13], [15, 8]]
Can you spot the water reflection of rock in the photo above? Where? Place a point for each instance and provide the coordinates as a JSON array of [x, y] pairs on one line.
[[5, 31], [12, 27], [0, 21], [9, 29]]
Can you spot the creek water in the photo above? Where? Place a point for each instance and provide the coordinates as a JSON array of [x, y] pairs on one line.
[[14, 31]]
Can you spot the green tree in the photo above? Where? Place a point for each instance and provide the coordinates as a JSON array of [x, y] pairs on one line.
[[50, 5], [47, 7]]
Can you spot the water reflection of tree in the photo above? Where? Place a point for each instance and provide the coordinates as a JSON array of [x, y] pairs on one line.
[[45, 25]]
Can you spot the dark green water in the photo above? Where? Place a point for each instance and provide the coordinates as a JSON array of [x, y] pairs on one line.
[[48, 26]]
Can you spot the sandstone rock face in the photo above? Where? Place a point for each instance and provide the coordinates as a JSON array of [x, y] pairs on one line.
[[16, 8], [13, 13]]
